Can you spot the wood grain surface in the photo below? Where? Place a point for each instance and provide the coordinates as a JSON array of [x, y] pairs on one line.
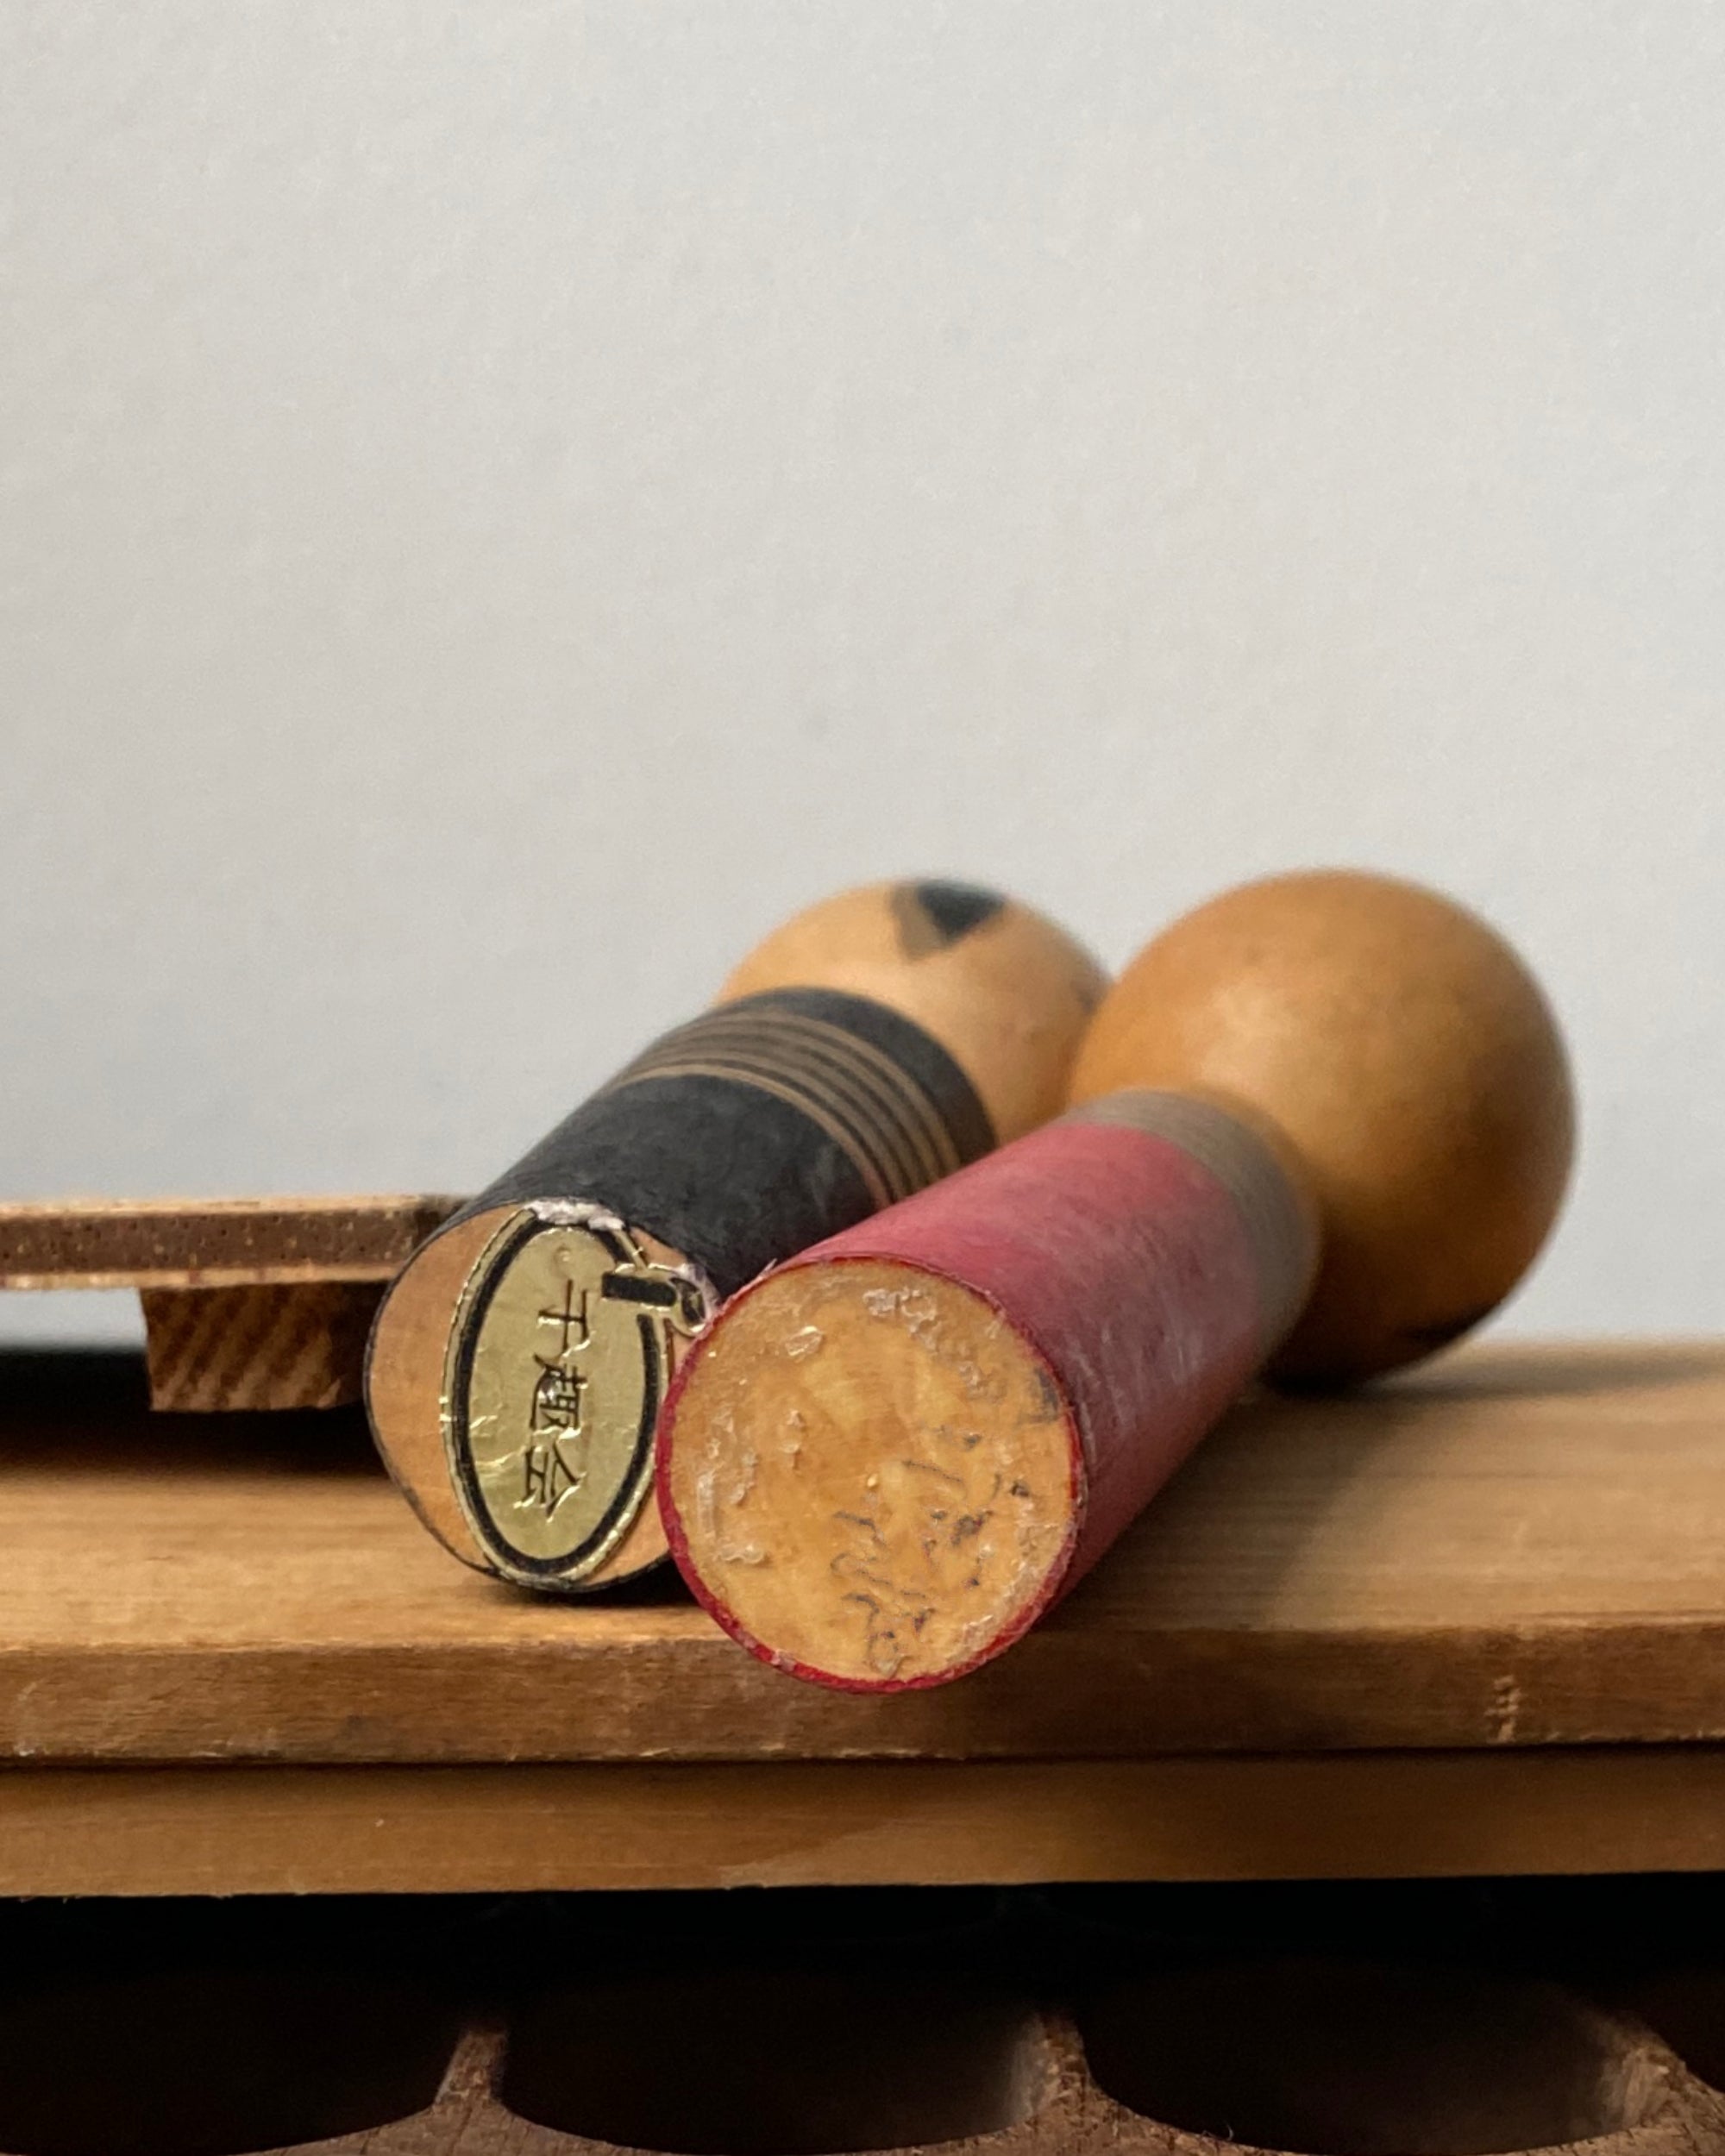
[[1514, 1549], [527, 1828], [210, 1349]]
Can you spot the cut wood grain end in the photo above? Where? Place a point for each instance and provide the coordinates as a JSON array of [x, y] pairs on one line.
[[211, 1350]]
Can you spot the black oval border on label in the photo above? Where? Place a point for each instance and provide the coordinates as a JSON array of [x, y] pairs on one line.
[[457, 1445]]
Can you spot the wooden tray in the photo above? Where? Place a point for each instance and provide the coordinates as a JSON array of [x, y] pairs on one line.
[[248, 1302], [1471, 1621]]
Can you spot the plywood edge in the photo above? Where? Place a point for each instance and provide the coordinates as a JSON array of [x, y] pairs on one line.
[[212, 1243], [200, 1279]]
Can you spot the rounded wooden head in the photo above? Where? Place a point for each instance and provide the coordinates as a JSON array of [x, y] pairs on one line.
[[1004, 991], [1413, 1065]]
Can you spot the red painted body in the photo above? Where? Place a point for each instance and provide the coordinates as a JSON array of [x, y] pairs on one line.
[[1127, 1264]]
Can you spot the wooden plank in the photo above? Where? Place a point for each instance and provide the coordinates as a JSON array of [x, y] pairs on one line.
[[211, 1241], [380, 1830], [211, 1350], [248, 1302], [1518, 1548]]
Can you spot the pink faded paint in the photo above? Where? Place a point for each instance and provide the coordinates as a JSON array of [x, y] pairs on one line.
[[1127, 1264]]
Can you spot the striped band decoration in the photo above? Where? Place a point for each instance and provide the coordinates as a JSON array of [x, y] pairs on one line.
[[888, 1126], [770, 1122]]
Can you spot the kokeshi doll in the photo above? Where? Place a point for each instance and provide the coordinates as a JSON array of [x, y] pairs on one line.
[[1324, 1124], [518, 1363]]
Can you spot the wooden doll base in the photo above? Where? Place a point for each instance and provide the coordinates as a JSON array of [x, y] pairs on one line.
[[883, 1485], [406, 1378]]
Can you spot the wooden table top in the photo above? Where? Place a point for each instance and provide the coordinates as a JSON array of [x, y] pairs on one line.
[[1469, 1622], [1516, 1547]]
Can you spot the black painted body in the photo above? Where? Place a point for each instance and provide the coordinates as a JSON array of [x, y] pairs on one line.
[[727, 1173]]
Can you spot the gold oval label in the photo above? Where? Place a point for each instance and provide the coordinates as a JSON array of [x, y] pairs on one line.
[[558, 1362]]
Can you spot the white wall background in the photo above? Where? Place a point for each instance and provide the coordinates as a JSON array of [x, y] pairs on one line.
[[502, 499]]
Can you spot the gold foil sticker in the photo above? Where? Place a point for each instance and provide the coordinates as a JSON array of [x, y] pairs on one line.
[[558, 1364]]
